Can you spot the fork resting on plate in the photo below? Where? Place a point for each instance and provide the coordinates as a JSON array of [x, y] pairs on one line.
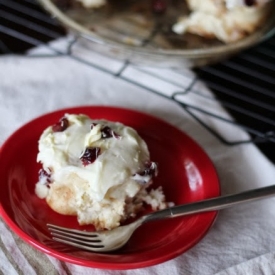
[[109, 240]]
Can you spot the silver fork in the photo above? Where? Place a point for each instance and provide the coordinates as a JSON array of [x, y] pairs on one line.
[[109, 240]]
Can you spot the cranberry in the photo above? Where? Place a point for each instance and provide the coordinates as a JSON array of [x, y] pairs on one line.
[[159, 6], [151, 169], [89, 155], [61, 125], [249, 2], [107, 132], [45, 174]]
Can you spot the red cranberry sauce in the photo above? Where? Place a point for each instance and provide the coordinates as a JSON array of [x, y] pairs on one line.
[[61, 125], [89, 155], [45, 176], [107, 132]]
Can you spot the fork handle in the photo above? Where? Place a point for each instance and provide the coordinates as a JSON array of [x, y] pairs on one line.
[[217, 203]]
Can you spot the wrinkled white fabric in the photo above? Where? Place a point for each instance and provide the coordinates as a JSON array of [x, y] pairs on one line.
[[241, 241]]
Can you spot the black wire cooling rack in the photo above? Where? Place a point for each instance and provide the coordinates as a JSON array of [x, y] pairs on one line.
[[244, 84]]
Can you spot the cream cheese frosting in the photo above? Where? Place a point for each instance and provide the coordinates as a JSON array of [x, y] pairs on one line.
[[95, 169]]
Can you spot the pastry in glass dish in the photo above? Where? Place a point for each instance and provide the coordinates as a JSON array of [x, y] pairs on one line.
[[226, 20]]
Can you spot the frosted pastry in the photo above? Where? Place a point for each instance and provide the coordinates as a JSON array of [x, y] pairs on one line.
[[226, 20], [96, 170]]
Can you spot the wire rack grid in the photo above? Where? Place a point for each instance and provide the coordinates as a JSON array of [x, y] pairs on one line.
[[244, 85]]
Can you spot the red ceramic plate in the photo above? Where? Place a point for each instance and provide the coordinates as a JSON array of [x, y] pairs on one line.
[[185, 173]]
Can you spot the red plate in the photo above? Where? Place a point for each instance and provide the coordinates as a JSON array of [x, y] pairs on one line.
[[185, 173]]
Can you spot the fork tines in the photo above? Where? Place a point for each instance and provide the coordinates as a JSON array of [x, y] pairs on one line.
[[77, 238]]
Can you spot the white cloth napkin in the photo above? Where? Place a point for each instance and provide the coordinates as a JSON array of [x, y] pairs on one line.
[[241, 240]]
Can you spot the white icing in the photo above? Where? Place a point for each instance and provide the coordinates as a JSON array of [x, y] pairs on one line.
[[120, 157]]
